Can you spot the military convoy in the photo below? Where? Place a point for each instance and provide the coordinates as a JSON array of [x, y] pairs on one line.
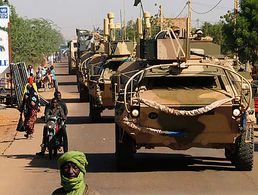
[[178, 93], [96, 66], [84, 52]]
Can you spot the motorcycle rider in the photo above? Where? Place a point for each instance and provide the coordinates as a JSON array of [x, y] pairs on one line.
[[54, 109], [58, 96]]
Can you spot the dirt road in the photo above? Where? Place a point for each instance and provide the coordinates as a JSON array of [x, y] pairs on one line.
[[159, 171]]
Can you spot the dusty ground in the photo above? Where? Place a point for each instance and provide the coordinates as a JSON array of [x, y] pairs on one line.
[[8, 120]]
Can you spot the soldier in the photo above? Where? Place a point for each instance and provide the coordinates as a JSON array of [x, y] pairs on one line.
[[198, 34]]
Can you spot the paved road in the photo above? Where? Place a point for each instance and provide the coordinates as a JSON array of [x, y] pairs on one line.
[[159, 171]]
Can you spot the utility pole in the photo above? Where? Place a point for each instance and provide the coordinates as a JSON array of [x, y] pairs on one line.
[[235, 7], [124, 23], [189, 16], [161, 16]]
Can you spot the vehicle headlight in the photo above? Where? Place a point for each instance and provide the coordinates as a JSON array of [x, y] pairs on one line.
[[236, 112], [135, 112], [50, 124]]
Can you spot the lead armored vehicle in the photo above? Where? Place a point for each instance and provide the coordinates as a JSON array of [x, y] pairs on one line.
[[169, 98]]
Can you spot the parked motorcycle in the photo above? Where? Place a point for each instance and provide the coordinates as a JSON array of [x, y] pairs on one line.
[[55, 138]]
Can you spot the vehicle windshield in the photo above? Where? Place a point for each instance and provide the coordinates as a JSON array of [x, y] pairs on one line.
[[191, 82]]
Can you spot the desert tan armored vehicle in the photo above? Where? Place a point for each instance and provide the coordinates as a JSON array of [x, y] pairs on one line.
[[89, 44], [102, 66], [72, 55], [168, 99]]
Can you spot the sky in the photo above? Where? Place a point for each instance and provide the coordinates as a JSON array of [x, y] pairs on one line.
[[87, 14]]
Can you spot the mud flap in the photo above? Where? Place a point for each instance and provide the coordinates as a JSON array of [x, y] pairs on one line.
[[245, 127], [248, 135]]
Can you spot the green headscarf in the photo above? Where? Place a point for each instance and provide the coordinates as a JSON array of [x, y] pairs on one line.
[[75, 186]]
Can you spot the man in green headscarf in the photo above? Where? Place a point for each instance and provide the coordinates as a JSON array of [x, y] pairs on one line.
[[72, 167]]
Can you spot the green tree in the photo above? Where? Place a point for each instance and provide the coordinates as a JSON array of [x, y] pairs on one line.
[[214, 31], [32, 39], [241, 32]]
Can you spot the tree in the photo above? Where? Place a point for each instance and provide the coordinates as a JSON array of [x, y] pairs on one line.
[[241, 32], [214, 31], [32, 39]]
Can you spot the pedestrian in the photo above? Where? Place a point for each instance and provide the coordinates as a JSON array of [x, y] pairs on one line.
[[51, 60], [72, 167], [30, 108], [27, 87], [31, 78], [30, 70], [53, 73]]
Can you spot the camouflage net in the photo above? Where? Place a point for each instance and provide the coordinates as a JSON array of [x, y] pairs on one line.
[[131, 123], [194, 112]]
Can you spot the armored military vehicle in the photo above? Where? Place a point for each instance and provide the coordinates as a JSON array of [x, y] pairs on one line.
[[173, 99], [72, 55], [102, 66], [88, 45]]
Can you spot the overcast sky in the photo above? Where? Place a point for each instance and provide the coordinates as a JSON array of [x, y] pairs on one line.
[[84, 14]]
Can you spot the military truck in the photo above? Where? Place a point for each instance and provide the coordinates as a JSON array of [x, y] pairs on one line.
[[174, 99], [102, 67], [72, 55], [88, 45]]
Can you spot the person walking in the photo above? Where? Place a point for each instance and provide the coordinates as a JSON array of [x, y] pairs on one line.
[[30, 107], [53, 74], [30, 70]]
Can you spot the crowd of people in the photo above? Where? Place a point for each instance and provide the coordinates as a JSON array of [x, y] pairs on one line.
[[46, 77], [72, 164]]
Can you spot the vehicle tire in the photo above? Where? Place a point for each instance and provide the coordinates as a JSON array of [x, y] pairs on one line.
[[125, 148], [50, 152], [55, 151], [71, 70], [244, 152], [84, 94], [95, 112], [229, 152]]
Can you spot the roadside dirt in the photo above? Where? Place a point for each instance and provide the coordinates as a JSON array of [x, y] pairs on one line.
[[8, 120]]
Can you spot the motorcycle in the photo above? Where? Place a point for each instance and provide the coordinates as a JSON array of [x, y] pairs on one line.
[[55, 139]]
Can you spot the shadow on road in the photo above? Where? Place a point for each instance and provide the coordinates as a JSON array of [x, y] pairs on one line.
[[159, 162], [73, 120], [67, 83], [71, 100], [62, 74], [37, 161], [105, 162]]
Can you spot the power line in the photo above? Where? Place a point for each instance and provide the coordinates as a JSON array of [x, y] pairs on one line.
[[182, 10], [209, 9], [209, 5]]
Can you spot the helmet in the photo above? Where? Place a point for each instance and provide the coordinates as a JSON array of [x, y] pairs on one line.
[[198, 31]]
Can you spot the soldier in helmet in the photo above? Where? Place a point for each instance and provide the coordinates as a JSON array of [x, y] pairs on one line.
[[198, 34], [176, 31]]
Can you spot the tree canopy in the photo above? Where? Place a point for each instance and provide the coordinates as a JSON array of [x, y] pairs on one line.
[[32, 39], [241, 32]]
